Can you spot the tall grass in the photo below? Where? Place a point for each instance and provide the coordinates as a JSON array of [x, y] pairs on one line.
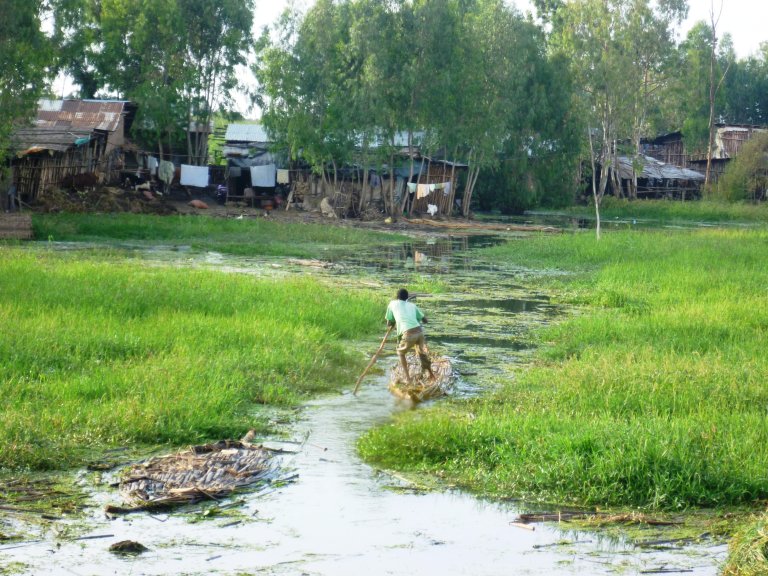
[[675, 210], [245, 237], [653, 395], [98, 352]]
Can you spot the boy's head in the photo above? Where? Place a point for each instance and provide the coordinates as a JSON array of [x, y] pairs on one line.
[[402, 294]]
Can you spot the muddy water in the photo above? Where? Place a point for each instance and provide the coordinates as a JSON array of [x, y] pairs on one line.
[[339, 516]]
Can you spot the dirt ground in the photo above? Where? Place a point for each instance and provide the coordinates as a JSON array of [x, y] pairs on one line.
[[115, 199]]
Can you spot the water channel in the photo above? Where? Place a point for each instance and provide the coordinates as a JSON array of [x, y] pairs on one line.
[[339, 516]]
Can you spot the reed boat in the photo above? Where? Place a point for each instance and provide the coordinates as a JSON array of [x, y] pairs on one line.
[[423, 387]]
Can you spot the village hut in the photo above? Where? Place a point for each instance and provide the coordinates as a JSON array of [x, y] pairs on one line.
[[728, 141], [656, 179], [254, 174], [72, 143]]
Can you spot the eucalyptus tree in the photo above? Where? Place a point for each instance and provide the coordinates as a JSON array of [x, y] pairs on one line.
[[178, 59], [746, 89], [616, 47], [693, 84], [304, 80], [25, 60]]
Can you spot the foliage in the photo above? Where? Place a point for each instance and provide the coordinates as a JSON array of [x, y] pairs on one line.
[[693, 85], [106, 351], [177, 59], [340, 80], [653, 397], [673, 211], [746, 90], [618, 51], [746, 176], [25, 59], [748, 550]]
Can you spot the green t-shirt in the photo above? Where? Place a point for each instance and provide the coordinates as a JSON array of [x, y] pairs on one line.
[[405, 314]]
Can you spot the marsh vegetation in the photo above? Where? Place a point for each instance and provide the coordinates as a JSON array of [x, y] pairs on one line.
[[649, 395]]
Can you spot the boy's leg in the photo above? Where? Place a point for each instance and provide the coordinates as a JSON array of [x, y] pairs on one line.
[[426, 362]]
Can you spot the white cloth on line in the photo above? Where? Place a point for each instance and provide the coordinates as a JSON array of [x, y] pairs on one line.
[[422, 190], [194, 176], [283, 176], [152, 164], [263, 176]]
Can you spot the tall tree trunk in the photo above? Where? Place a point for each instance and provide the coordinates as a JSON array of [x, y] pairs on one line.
[[595, 196], [406, 192]]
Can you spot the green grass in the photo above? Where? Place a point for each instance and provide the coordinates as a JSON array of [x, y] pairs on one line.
[[247, 237], [675, 210], [654, 395], [748, 550], [99, 352]]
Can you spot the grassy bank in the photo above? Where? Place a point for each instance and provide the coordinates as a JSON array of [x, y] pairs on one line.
[[652, 396], [247, 237], [675, 210], [99, 351]]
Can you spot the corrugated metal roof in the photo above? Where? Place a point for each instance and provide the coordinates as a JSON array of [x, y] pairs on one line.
[[246, 133], [655, 169], [40, 138], [80, 114]]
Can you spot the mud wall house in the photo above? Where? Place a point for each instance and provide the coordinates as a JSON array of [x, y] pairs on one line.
[[73, 143]]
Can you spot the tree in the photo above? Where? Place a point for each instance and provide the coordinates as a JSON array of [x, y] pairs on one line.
[[692, 87], [746, 176], [25, 58], [617, 50], [746, 90], [177, 59]]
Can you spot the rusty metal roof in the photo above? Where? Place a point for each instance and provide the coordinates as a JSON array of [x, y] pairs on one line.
[[80, 114], [38, 139]]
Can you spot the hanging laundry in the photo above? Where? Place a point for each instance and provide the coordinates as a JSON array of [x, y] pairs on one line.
[[439, 185], [196, 176], [165, 171], [152, 165], [422, 190], [283, 176], [412, 187], [447, 189], [263, 176]]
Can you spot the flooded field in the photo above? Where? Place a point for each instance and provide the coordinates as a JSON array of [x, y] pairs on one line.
[[334, 515]]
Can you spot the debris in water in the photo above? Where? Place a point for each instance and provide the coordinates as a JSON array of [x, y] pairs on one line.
[[210, 471], [128, 547]]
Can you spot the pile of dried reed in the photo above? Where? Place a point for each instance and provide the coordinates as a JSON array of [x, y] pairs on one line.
[[210, 471]]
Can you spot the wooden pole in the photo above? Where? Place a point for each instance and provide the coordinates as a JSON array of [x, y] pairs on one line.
[[376, 355]]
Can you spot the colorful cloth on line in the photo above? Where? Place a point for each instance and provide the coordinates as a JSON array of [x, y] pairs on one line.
[[196, 176]]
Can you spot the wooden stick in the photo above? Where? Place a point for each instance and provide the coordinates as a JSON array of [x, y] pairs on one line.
[[376, 355]]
